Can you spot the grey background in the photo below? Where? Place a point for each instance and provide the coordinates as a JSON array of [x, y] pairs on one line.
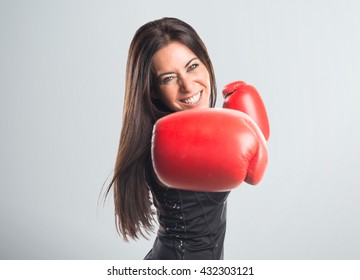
[[61, 82]]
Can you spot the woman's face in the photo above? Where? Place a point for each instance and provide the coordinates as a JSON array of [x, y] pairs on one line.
[[183, 80]]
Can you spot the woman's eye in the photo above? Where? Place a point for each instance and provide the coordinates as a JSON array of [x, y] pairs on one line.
[[167, 80], [193, 66]]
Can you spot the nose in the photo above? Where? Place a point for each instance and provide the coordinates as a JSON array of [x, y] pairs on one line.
[[186, 83]]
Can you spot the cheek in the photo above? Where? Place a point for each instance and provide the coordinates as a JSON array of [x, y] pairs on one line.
[[205, 77], [167, 96], [207, 82]]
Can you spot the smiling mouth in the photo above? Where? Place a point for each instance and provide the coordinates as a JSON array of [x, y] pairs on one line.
[[193, 99]]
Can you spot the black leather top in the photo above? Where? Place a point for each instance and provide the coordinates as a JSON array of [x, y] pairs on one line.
[[192, 224]]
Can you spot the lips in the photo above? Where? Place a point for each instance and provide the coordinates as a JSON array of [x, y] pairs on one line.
[[193, 99]]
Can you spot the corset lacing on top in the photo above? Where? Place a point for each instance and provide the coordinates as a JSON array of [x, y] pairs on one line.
[[192, 224]]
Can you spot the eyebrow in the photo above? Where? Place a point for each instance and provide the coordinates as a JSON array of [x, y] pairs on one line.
[[186, 65]]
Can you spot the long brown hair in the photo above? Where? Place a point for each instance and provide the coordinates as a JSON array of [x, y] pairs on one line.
[[133, 173]]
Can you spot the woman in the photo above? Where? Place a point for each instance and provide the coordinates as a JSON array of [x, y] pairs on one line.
[[168, 70]]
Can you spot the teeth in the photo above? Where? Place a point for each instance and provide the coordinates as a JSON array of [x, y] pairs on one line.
[[192, 100]]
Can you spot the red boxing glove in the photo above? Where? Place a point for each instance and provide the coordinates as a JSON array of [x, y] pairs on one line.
[[245, 98], [208, 150]]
